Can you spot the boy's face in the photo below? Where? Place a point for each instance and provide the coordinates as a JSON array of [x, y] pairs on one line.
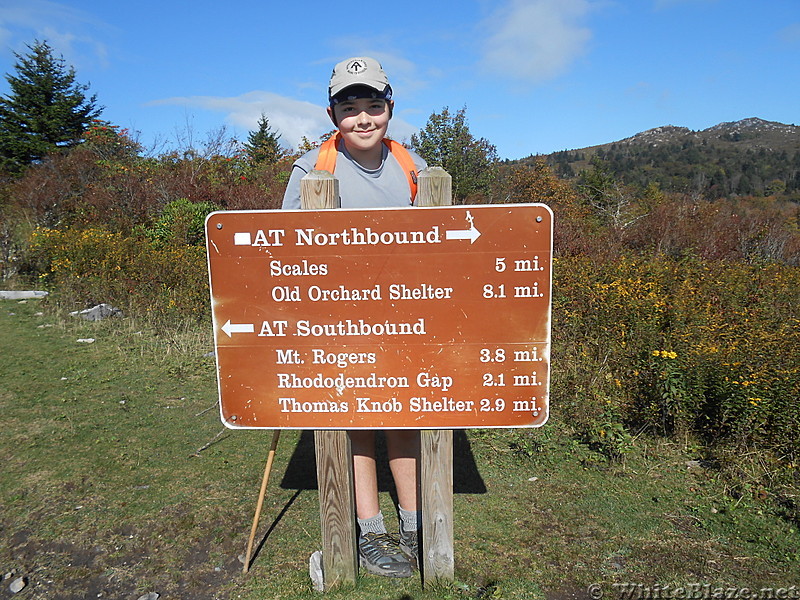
[[362, 122]]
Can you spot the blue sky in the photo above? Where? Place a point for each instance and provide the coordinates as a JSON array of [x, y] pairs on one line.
[[536, 76]]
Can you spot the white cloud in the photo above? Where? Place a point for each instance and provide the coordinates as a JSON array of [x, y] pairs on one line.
[[293, 119], [535, 40], [67, 30]]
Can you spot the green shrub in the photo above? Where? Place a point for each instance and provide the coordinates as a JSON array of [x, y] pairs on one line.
[[182, 222], [662, 346], [89, 266]]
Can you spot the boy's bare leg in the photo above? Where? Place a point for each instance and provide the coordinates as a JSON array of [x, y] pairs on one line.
[[404, 452], [403, 448], [378, 552], [365, 477]]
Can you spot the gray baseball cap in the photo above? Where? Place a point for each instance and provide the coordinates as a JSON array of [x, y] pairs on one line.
[[361, 71]]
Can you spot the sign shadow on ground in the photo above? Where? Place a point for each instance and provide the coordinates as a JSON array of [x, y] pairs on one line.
[[301, 472]]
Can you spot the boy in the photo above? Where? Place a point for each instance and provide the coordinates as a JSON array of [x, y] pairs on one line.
[[372, 172]]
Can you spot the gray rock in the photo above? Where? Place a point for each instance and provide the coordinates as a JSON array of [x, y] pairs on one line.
[[18, 585], [97, 313], [315, 571], [149, 596], [21, 295]]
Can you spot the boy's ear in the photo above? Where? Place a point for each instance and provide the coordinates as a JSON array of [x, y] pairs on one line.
[[391, 108], [332, 116]]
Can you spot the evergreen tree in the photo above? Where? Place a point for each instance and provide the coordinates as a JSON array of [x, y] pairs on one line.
[[45, 109], [263, 145], [446, 141]]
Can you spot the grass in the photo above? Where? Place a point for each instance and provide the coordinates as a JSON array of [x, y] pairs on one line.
[[118, 479]]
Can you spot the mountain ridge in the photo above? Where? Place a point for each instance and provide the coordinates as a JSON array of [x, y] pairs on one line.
[[753, 127], [748, 157]]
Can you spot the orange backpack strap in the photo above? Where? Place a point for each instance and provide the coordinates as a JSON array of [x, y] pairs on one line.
[[406, 163], [326, 161]]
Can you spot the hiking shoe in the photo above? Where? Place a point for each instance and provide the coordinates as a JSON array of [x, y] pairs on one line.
[[409, 545], [379, 553]]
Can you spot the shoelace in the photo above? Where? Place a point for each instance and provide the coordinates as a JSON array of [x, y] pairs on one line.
[[409, 540], [379, 544]]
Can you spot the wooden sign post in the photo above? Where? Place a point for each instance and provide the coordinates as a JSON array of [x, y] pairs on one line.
[[431, 318], [436, 445], [320, 190]]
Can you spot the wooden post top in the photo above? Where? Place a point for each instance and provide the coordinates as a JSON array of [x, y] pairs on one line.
[[319, 190], [435, 188]]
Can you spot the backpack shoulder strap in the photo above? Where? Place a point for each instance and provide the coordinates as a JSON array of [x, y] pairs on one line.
[[326, 161], [406, 163]]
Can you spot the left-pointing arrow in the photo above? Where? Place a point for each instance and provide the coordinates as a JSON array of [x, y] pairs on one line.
[[231, 328]]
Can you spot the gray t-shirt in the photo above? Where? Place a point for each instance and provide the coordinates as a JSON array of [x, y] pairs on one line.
[[386, 186]]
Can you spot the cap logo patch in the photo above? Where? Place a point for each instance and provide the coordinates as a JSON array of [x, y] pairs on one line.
[[356, 67]]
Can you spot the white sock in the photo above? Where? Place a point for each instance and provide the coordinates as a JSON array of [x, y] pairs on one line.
[[409, 519], [373, 524]]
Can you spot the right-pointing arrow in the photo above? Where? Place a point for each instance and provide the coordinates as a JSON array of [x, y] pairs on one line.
[[470, 234], [231, 328]]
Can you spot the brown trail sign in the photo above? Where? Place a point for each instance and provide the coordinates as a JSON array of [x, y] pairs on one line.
[[334, 461], [382, 318]]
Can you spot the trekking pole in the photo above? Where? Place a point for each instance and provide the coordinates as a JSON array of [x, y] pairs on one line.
[[276, 434]]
